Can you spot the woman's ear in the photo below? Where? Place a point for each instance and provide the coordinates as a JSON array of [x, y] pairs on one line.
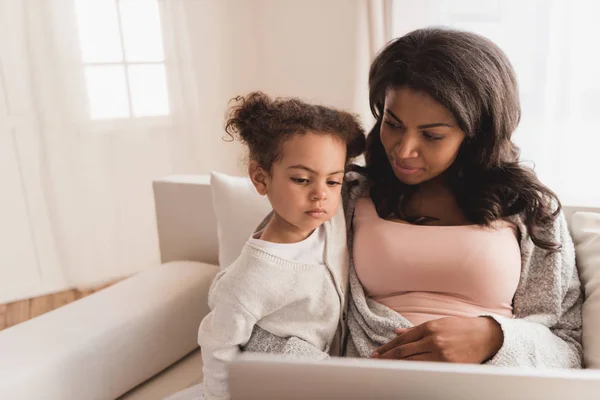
[[258, 176]]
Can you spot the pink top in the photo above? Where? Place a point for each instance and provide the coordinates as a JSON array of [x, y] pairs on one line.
[[428, 272]]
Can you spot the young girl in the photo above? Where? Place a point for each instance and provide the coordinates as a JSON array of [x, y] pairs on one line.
[[291, 277]]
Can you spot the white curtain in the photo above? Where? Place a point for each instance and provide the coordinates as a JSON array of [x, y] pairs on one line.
[[98, 174], [374, 30], [552, 46]]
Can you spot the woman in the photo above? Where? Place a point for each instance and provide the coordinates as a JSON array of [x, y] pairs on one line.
[[458, 252]]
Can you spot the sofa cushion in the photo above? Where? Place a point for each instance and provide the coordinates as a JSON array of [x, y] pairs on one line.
[[182, 375], [239, 209], [101, 346], [586, 234]]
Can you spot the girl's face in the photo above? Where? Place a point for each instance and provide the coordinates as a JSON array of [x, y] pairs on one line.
[[420, 136], [304, 186]]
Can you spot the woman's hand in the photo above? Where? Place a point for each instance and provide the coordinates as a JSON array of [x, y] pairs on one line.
[[453, 339]]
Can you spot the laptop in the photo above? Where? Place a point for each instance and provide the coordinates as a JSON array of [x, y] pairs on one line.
[[264, 376]]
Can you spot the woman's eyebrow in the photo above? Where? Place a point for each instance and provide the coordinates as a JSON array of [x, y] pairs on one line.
[[426, 126], [434, 125], [388, 111]]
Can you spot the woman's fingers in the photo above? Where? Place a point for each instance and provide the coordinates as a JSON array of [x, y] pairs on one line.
[[421, 357], [386, 347], [405, 351], [411, 335]]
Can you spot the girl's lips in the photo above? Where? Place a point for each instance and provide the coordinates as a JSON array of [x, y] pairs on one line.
[[316, 213]]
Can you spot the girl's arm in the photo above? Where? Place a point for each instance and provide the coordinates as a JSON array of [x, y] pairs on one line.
[[227, 327]]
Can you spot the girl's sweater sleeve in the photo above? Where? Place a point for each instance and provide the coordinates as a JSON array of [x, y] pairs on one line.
[[227, 327]]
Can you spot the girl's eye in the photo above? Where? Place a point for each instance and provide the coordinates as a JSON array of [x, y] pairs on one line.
[[300, 180], [429, 136], [333, 183]]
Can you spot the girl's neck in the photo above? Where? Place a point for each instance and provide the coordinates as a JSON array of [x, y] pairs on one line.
[[279, 230]]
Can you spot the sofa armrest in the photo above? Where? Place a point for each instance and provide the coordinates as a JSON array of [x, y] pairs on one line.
[[186, 221], [101, 346]]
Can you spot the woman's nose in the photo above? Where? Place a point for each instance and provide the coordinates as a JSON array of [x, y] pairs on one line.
[[407, 148]]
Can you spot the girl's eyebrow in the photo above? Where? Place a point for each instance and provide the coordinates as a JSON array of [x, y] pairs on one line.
[[426, 126], [300, 166]]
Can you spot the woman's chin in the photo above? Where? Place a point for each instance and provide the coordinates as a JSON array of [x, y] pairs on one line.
[[414, 179]]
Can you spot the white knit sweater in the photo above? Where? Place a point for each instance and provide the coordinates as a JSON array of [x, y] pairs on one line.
[[283, 297]]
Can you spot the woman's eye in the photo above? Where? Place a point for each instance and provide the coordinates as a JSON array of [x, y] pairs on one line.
[[333, 183], [300, 180], [392, 124], [429, 136]]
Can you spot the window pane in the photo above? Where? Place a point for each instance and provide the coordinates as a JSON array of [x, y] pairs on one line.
[[98, 27], [140, 23], [148, 90], [107, 92]]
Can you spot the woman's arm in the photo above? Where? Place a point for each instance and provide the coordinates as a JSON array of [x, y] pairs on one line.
[[546, 330]]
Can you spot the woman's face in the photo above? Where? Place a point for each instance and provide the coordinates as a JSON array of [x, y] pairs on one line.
[[420, 136]]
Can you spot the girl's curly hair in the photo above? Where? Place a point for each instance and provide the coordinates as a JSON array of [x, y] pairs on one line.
[[264, 124]]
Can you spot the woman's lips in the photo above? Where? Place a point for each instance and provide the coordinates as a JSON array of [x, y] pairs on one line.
[[405, 169]]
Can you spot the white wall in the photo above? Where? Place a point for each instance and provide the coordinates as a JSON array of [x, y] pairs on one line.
[[306, 49], [221, 67]]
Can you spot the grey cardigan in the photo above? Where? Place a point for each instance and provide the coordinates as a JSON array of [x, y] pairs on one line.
[[546, 329]]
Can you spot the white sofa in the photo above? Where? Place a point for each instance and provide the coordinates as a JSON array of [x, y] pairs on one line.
[[135, 339]]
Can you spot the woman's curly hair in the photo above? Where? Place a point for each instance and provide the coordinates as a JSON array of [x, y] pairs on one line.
[[264, 124], [473, 78]]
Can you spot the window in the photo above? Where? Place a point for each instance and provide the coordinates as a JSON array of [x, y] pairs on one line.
[[123, 58], [550, 44]]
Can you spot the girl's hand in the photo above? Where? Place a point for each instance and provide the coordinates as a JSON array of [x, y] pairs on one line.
[[453, 339]]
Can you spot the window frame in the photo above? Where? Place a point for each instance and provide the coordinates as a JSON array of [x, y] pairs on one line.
[[70, 71]]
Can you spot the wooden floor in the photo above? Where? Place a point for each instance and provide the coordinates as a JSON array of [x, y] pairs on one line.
[[21, 311]]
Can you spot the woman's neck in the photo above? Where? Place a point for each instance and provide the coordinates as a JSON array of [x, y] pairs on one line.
[[433, 202]]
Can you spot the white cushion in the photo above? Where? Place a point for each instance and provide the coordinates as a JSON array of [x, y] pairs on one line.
[[586, 234], [239, 209]]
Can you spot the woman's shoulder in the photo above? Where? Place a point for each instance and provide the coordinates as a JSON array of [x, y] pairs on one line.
[[355, 184], [557, 231]]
